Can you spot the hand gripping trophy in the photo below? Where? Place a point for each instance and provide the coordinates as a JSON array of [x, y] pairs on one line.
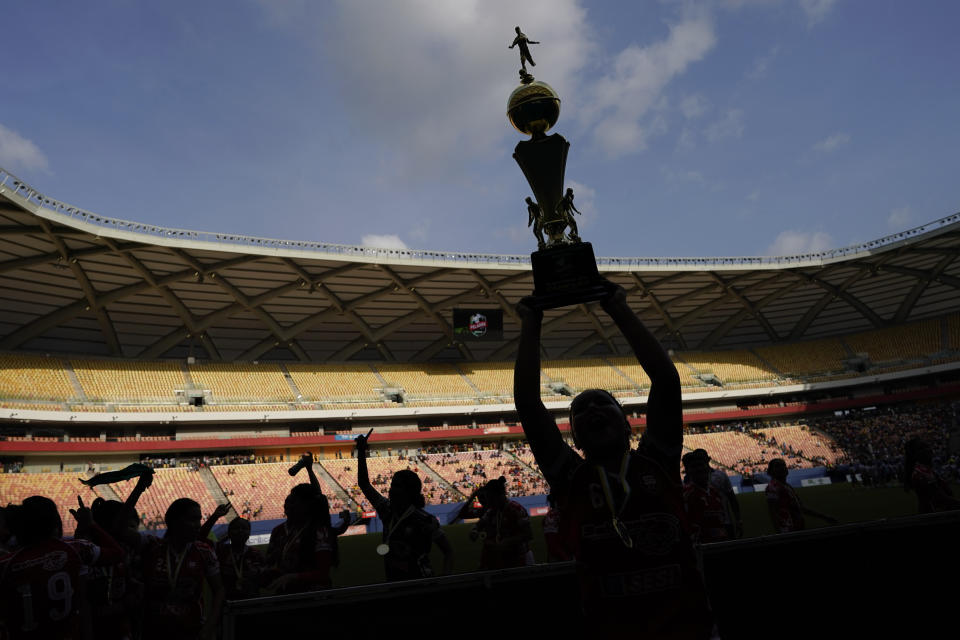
[[564, 267]]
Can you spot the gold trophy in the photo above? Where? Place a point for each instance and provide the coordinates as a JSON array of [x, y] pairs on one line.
[[564, 267]]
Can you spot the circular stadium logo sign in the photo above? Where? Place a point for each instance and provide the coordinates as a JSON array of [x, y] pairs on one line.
[[478, 324]]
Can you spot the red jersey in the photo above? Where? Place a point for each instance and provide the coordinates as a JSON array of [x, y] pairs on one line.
[[788, 513], [556, 551], [512, 521], [930, 488], [38, 587], [173, 583], [706, 513], [285, 557], [654, 585]]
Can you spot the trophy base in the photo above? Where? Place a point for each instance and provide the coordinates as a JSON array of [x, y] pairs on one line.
[[566, 275]]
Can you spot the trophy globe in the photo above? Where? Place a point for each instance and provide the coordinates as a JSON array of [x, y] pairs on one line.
[[533, 108]]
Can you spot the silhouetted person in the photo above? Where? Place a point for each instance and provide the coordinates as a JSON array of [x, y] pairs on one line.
[[621, 511], [174, 571], [240, 566], [706, 508], [303, 549], [42, 582], [503, 528], [933, 494], [783, 504], [408, 530], [115, 592], [720, 481]]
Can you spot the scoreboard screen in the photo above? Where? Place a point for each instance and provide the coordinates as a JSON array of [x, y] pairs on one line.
[[478, 324]]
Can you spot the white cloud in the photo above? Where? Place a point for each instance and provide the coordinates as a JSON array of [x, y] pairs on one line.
[[832, 143], [429, 79], [687, 139], [791, 242], [900, 219], [16, 152], [693, 106], [762, 64], [816, 10], [378, 241], [728, 126], [638, 75]]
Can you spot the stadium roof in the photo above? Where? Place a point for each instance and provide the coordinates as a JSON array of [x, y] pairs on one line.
[[72, 281]]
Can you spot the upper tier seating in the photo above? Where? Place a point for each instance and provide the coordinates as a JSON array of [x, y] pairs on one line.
[[426, 380], [231, 382], [336, 382], [731, 367], [953, 332], [62, 488], [632, 369], [33, 378], [264, 485], [149, 386], [168, 485], [803, 359], [113, 380], [491, 378], [908, 342], [586, 373]]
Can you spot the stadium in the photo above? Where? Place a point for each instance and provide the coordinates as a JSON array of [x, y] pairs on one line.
[[219, 359]]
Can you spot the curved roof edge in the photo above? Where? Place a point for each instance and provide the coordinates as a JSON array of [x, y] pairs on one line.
[[51, 209]]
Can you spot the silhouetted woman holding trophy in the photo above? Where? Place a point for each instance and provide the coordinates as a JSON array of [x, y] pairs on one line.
[[622, 510]]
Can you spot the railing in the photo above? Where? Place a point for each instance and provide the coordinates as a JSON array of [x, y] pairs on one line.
[[27, 192]]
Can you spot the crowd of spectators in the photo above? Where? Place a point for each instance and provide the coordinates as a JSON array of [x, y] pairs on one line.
[[872, 440]]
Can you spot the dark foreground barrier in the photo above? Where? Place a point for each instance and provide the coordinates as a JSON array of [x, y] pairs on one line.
[[875, 580]]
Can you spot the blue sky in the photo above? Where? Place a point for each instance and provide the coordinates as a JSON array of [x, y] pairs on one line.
[[724, 127]]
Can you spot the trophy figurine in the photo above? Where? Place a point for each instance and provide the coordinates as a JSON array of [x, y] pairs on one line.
[[564, 267]]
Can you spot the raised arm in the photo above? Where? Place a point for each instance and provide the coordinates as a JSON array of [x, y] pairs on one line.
[[540, 428], [307, 459], [207, 527], [664, 403], [363, 478], [466, 508], [143, 483]]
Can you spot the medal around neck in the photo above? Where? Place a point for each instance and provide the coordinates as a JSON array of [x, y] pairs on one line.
[[383, 549], [623, 532]]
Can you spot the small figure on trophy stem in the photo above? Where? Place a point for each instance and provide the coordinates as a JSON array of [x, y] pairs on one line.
[[523, 42], [536, 219], [566, 209]]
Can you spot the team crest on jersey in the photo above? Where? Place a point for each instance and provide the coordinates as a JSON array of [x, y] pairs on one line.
[[656, 533], [55, 561]]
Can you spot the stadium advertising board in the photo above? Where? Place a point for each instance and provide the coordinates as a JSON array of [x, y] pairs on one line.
[[478, 324]]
